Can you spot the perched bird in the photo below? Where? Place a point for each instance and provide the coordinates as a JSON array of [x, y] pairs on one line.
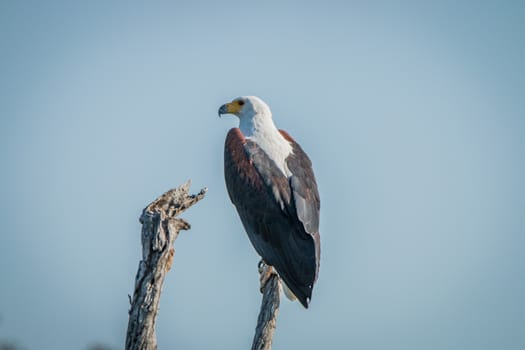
[[271, 183]]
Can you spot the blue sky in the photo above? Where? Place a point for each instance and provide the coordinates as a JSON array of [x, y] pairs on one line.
[[412, 114]]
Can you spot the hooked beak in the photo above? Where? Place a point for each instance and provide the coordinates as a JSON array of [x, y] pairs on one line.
[[233, 107], [223, 110]]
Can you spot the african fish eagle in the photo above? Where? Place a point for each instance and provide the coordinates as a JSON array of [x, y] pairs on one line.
[[271, 183]]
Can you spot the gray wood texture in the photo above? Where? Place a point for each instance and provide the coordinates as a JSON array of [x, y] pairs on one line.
[[160, 229], [267, 320]]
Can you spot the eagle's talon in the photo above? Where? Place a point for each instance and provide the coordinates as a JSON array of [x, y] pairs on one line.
[[265, 272]]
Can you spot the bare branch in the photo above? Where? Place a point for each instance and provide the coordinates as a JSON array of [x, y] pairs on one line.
[[267, 320], [160, 229]]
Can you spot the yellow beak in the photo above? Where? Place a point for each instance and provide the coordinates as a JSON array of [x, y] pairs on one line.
[[232, 108]]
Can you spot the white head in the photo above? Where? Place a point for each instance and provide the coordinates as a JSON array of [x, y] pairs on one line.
[[246, 107], [255, 123], [255, 117]]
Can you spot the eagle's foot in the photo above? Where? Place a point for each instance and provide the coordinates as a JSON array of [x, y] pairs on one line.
[[265, 272]]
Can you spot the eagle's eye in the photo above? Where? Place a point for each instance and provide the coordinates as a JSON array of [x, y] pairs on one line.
[[240, 103]]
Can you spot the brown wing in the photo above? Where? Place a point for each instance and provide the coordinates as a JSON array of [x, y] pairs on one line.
[[275, 211], [305, 193]]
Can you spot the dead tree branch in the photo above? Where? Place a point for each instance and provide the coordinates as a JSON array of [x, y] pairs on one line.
[[160, 229], [267, 320]]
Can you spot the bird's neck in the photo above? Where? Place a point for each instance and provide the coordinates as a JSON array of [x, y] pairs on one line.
[[261, 129], [257, 125]]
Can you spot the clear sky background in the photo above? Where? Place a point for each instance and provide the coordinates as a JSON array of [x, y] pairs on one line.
[[412, 113]]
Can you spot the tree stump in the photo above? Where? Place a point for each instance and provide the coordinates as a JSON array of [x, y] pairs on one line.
[[160, 229]]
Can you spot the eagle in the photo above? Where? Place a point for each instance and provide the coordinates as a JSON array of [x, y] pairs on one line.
[[271, 183]]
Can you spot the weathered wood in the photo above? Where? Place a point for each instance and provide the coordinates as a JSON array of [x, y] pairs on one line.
[[160, 229], [267, 320]]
